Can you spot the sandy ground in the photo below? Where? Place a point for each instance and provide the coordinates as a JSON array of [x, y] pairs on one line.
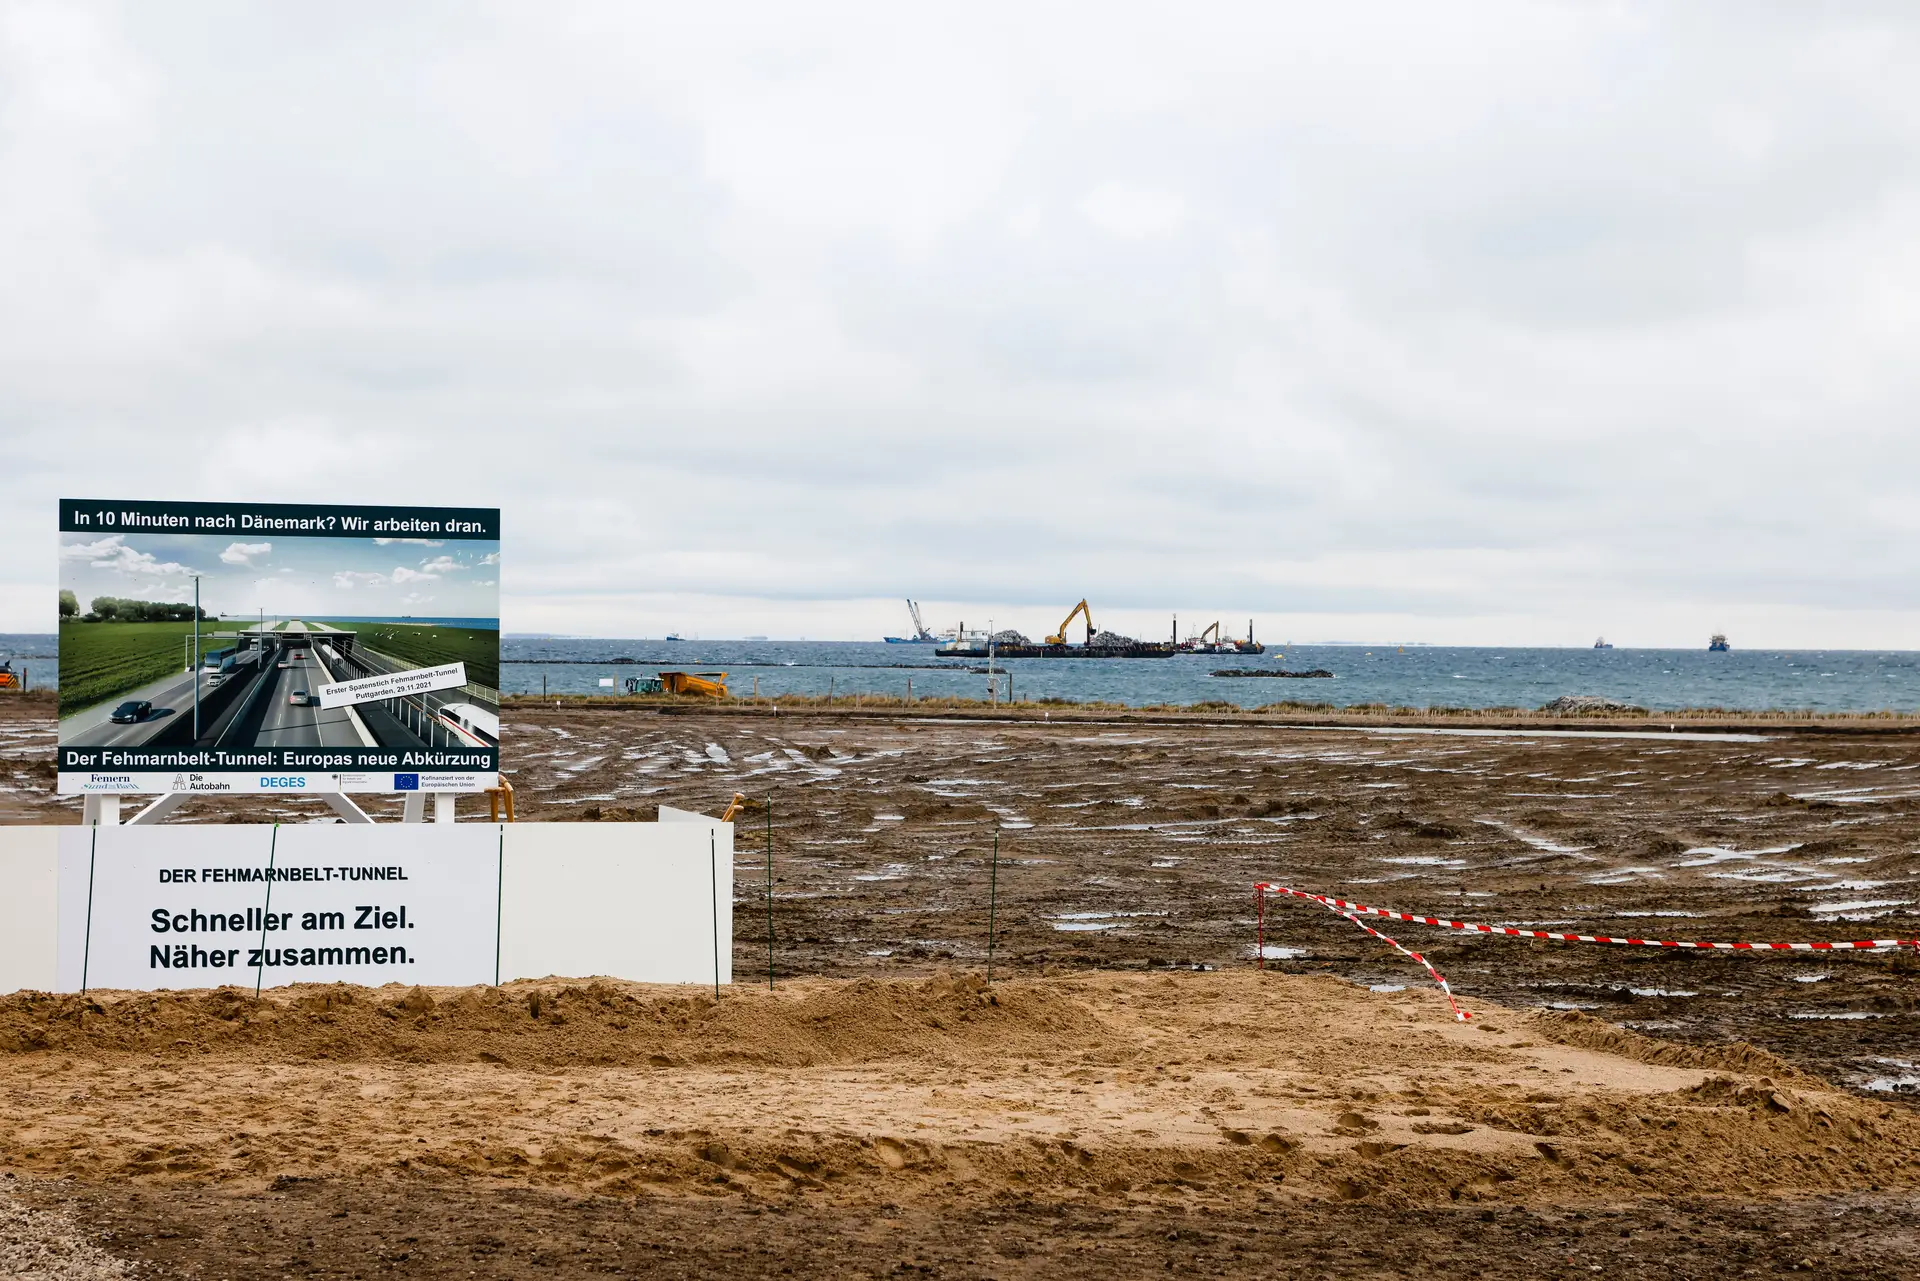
[[1194, 1099], [1135, 1096]]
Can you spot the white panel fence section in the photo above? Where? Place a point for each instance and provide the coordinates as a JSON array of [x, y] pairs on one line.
[[187, 906], [29, 921]]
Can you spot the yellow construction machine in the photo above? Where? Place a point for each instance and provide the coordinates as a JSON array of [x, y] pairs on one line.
[[713, 684], [8, 680], [1081, 610]]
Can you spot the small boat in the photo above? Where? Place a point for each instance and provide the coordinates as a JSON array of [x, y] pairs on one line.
[[674, 636], [1718, 645], [1603, 643]]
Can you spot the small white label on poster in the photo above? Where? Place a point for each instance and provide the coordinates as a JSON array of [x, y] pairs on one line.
[[372, 689]]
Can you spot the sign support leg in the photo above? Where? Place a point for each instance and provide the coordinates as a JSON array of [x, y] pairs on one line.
[[160, 808], [414, 809], [343, 805], [443, 807], [100, 810]]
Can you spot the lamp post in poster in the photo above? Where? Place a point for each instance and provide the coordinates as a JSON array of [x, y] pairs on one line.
[[196, 658]]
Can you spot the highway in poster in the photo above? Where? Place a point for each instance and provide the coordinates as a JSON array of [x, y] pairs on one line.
[[234, 647]]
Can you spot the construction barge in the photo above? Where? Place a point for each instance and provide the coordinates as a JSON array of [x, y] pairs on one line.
[[995, 649], [976, 645]]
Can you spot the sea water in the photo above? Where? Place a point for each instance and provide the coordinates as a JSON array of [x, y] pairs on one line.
[[1413, 676]]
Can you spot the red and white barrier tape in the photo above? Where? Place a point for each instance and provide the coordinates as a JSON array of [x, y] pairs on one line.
[[1353, 911]]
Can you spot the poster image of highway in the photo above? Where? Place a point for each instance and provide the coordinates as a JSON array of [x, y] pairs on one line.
[[257, 647]]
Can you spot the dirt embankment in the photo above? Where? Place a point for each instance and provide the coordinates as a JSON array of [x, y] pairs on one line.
[[1197, 1089]]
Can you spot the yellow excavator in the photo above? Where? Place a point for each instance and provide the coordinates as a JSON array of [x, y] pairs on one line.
[[1080, 610]]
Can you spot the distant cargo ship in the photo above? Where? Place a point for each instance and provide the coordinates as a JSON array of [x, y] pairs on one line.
[[1603, 643], [1718, 645]]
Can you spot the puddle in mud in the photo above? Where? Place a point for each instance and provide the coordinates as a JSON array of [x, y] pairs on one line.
[[1860, 910], [1907, 1082], [1088, 921]]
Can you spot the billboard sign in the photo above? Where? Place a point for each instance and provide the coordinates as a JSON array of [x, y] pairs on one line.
[[185, 907], [264, 647]]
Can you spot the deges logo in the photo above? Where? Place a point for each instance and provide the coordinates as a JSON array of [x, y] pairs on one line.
[[406, 782], [294, 781]]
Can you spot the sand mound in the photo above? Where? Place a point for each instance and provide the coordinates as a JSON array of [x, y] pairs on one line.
[[1196, 1089], [1570, 1027], [549, 1023]]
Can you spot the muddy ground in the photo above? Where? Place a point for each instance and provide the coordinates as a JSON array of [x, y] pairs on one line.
[[1139, 846], [1127, 853]]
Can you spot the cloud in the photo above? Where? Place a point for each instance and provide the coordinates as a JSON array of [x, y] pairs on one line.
[[418, 542], [243, 553], [351, 578], [1504, 322], [491, 558], [440, 565], [113, 555]]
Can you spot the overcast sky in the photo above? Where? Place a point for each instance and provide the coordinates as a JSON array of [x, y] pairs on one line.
[[1472, 323]]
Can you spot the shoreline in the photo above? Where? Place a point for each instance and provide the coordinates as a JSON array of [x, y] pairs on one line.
[[1274, 715]]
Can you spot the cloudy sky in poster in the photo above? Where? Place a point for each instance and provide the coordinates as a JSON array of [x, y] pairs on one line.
[[283, 578]]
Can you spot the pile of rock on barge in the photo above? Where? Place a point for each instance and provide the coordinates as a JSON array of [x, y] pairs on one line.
[[1280, 673], [1014, 645], [1132, 649]]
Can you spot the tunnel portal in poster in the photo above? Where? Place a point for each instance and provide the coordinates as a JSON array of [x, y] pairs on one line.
[[263, 647]]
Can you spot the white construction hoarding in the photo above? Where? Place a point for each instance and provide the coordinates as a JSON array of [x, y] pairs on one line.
[[189, 906]]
